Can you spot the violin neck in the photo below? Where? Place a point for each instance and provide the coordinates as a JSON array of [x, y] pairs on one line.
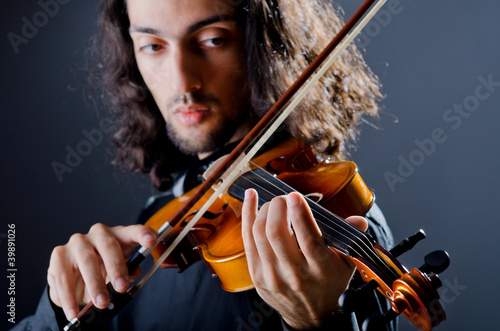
[[336, 232]]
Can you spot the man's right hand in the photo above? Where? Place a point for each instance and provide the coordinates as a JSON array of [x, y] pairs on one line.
[[78, 271]]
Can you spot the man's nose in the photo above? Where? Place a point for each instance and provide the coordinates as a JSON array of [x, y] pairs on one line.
[[186, 76]]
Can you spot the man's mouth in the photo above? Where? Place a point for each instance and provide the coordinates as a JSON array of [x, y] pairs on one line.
[[191, 115]]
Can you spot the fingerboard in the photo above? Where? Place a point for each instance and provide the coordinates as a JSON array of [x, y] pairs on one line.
[[336, 232]]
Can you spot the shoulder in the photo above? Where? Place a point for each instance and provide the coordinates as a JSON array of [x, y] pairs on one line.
[[153, 204], [378, 227]]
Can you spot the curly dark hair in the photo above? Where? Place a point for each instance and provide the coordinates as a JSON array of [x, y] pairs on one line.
[[282, 38]]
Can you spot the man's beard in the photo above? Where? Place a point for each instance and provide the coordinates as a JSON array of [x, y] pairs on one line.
[[203, 143], [195, 143]]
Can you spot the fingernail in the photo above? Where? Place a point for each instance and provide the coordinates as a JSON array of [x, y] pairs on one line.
[[120, 283], [71, 314], [293, 199], [149, 237], [248, 194], [102, 299]]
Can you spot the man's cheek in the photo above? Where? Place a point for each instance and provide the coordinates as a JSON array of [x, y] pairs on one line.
[[151, 75], [152, 82]]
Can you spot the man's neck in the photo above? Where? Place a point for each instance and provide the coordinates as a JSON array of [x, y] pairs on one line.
[[239, 134]]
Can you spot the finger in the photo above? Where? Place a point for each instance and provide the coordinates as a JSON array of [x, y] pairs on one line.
[[280, 234], [136, 274], [61, 281], [51, 281], [248, 216], [306, 230], [135, 234], [359, 222], [110, 251], [265, 253], [115, 244], [87, 261], [345, 259]]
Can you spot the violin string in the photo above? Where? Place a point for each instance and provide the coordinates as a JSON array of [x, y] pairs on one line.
[[350, 229], [367, 252], [340, 221], [282, 191]]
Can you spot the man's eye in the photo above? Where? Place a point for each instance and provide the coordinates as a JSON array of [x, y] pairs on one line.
[[151, 49], [213, 42]]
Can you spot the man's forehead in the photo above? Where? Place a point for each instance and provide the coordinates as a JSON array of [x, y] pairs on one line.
[[178, 17]]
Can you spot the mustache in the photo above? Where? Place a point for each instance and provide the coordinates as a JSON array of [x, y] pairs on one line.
[[192, 97]]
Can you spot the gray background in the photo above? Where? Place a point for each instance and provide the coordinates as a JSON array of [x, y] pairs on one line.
[[429, 55]]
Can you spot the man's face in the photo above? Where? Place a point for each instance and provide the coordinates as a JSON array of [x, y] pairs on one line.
[[190, 54]]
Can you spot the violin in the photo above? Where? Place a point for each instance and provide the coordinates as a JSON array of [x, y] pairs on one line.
[[217, 235], [333, 190], [204, 224]]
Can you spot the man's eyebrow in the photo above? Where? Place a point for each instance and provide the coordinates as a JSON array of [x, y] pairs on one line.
[[210, 20], [143, 30], [191, 29]]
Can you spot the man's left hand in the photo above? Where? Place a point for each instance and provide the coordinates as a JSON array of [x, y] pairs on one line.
[[295, 272]]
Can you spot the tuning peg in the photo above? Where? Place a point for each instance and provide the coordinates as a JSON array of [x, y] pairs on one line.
[[435, 262], [408, 243], [377, 322], [352, 298]]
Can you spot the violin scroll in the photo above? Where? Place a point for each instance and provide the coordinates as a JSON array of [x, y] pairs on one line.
[[414, 294]]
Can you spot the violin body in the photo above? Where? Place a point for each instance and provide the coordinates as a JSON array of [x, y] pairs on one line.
[[336, 186]]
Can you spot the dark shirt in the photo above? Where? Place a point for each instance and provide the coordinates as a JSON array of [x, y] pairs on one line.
[[193, 300]]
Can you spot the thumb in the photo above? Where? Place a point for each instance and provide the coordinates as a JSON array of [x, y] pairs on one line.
[[358, 221]]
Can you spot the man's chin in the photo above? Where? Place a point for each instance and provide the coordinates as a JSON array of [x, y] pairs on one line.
[[194, 144], [196, 148], [197, 141]]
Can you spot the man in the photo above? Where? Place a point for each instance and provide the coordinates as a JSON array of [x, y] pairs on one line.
[[186, 80]]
